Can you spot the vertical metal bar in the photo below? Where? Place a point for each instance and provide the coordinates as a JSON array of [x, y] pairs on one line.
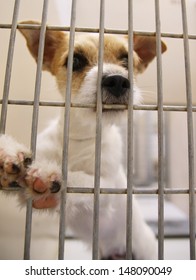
[[38, 78], [160, 135], [66, 133], [9, 67], [95, 252], [35, 123], [167, 144], [190, 132], [130, 136]]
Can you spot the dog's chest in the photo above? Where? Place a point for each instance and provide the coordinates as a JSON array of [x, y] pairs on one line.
[[82, 153]]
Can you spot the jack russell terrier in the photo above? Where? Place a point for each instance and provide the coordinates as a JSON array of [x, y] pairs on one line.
[[41, 179]]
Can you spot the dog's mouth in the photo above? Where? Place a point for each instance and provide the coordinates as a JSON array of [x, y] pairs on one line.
[[114, 107]]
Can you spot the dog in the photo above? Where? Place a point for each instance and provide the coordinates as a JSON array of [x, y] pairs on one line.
[[41, 179]]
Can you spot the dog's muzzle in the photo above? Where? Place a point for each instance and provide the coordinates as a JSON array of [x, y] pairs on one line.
[[115, 89]]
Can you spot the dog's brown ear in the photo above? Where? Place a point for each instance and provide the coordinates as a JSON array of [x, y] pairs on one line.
[[53, 41], [145, 47]]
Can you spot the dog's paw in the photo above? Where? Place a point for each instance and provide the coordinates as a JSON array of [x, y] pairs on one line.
[[39, 180], [43, 181], [14, 161]]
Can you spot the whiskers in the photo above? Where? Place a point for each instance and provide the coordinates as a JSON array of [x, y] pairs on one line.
[[148, 96]]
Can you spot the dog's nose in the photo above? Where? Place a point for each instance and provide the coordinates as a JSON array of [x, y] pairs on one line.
[[115, 84]]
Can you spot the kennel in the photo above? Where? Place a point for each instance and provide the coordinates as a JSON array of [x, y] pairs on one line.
[[153, 176]]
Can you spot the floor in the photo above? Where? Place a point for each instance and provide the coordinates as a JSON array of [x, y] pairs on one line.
[[45, 233]]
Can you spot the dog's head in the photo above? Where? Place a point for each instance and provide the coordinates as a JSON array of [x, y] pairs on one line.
[[115, 84]]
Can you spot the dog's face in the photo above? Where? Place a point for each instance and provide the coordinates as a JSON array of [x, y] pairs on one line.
[[115, 84]]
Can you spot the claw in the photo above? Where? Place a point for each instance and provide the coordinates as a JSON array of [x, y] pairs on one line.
[[56, 186], [14, 184], [27, 162], [15, 168]]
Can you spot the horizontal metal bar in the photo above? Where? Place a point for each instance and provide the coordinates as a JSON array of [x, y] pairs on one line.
[[167, 108], [166, 236], [136, 190], [178, 236], [96, 30]]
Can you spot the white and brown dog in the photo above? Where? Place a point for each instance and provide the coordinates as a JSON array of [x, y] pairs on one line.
[[41, 179]]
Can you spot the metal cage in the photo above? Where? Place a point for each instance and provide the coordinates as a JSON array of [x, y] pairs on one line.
[[161, 190]]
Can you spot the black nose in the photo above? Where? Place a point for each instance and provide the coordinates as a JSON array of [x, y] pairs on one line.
[[115, 84]]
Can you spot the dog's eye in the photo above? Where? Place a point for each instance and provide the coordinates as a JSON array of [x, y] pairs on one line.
[[79, 62], [124, 60]]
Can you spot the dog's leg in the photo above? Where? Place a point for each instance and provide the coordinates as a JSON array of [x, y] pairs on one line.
[[40, 180], [43, 177], [113, 242]]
